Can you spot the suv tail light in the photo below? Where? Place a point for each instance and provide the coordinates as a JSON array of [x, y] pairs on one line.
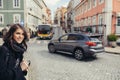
[[91, 43]]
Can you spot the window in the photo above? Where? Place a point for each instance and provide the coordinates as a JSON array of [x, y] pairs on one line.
[[75, 37], [16, 18], [94, 20], [79, 37], [1, 3], [86, 7], [94, 23], [16, 3], [72, 37], [118, 21], [64, 38], [93, 29], [101, 1], [85, 22], [89, 20], [89, 4], [94, 3], [100, 19], [1, 19], [100, 22]]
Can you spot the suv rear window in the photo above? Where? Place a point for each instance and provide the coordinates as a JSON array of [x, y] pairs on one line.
[[80, 37], [75, 37]]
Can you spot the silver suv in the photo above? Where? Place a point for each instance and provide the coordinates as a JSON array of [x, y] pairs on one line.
[[80, 45]]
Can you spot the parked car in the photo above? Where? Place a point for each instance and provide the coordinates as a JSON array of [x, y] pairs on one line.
[[80, 45]]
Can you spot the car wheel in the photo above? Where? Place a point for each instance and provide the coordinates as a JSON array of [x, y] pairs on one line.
[[51, 48], [78, 54]]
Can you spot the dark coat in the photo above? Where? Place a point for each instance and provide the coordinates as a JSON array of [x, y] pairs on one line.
[[8, 69]]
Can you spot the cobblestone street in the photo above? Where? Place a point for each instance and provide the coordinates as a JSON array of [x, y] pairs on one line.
[[60, 39], [46, 66]]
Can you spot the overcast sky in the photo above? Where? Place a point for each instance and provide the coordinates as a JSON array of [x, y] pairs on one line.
[[54, 4]]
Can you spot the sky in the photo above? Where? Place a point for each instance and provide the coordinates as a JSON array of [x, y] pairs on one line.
[[54, 4]]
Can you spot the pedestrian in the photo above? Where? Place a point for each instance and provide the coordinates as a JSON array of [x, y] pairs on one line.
[[4, 31], [12, 65]]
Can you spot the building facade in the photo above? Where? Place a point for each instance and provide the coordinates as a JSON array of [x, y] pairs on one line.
[[98, 14], [28, 13], [11, 11], [100, 17], [59, 17]]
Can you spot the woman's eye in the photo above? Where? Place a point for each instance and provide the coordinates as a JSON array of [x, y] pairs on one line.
[[17, 33]]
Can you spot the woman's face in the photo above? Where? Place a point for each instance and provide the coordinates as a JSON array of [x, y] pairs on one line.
[[18, 35]]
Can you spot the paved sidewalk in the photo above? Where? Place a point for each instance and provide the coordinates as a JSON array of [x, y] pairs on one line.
[[115, 50]]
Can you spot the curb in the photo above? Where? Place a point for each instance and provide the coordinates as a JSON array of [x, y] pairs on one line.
[[112, 52]]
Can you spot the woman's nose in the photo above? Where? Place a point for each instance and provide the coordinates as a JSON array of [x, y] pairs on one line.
[[21, 36]]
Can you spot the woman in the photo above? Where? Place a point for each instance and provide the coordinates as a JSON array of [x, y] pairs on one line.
[[12, 65]]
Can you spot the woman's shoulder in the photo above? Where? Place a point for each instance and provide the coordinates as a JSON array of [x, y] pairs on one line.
[[3, 51], [4, 48]]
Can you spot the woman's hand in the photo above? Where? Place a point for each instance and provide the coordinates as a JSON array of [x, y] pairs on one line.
[[24, 65]]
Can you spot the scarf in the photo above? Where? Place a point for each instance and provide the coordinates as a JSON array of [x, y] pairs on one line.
[[17, 49]]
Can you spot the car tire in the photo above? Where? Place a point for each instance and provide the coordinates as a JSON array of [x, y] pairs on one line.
[[78, 54], [51, 48]]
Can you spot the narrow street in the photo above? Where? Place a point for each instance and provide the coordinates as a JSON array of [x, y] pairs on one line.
[[84, 27], [59, 66]]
